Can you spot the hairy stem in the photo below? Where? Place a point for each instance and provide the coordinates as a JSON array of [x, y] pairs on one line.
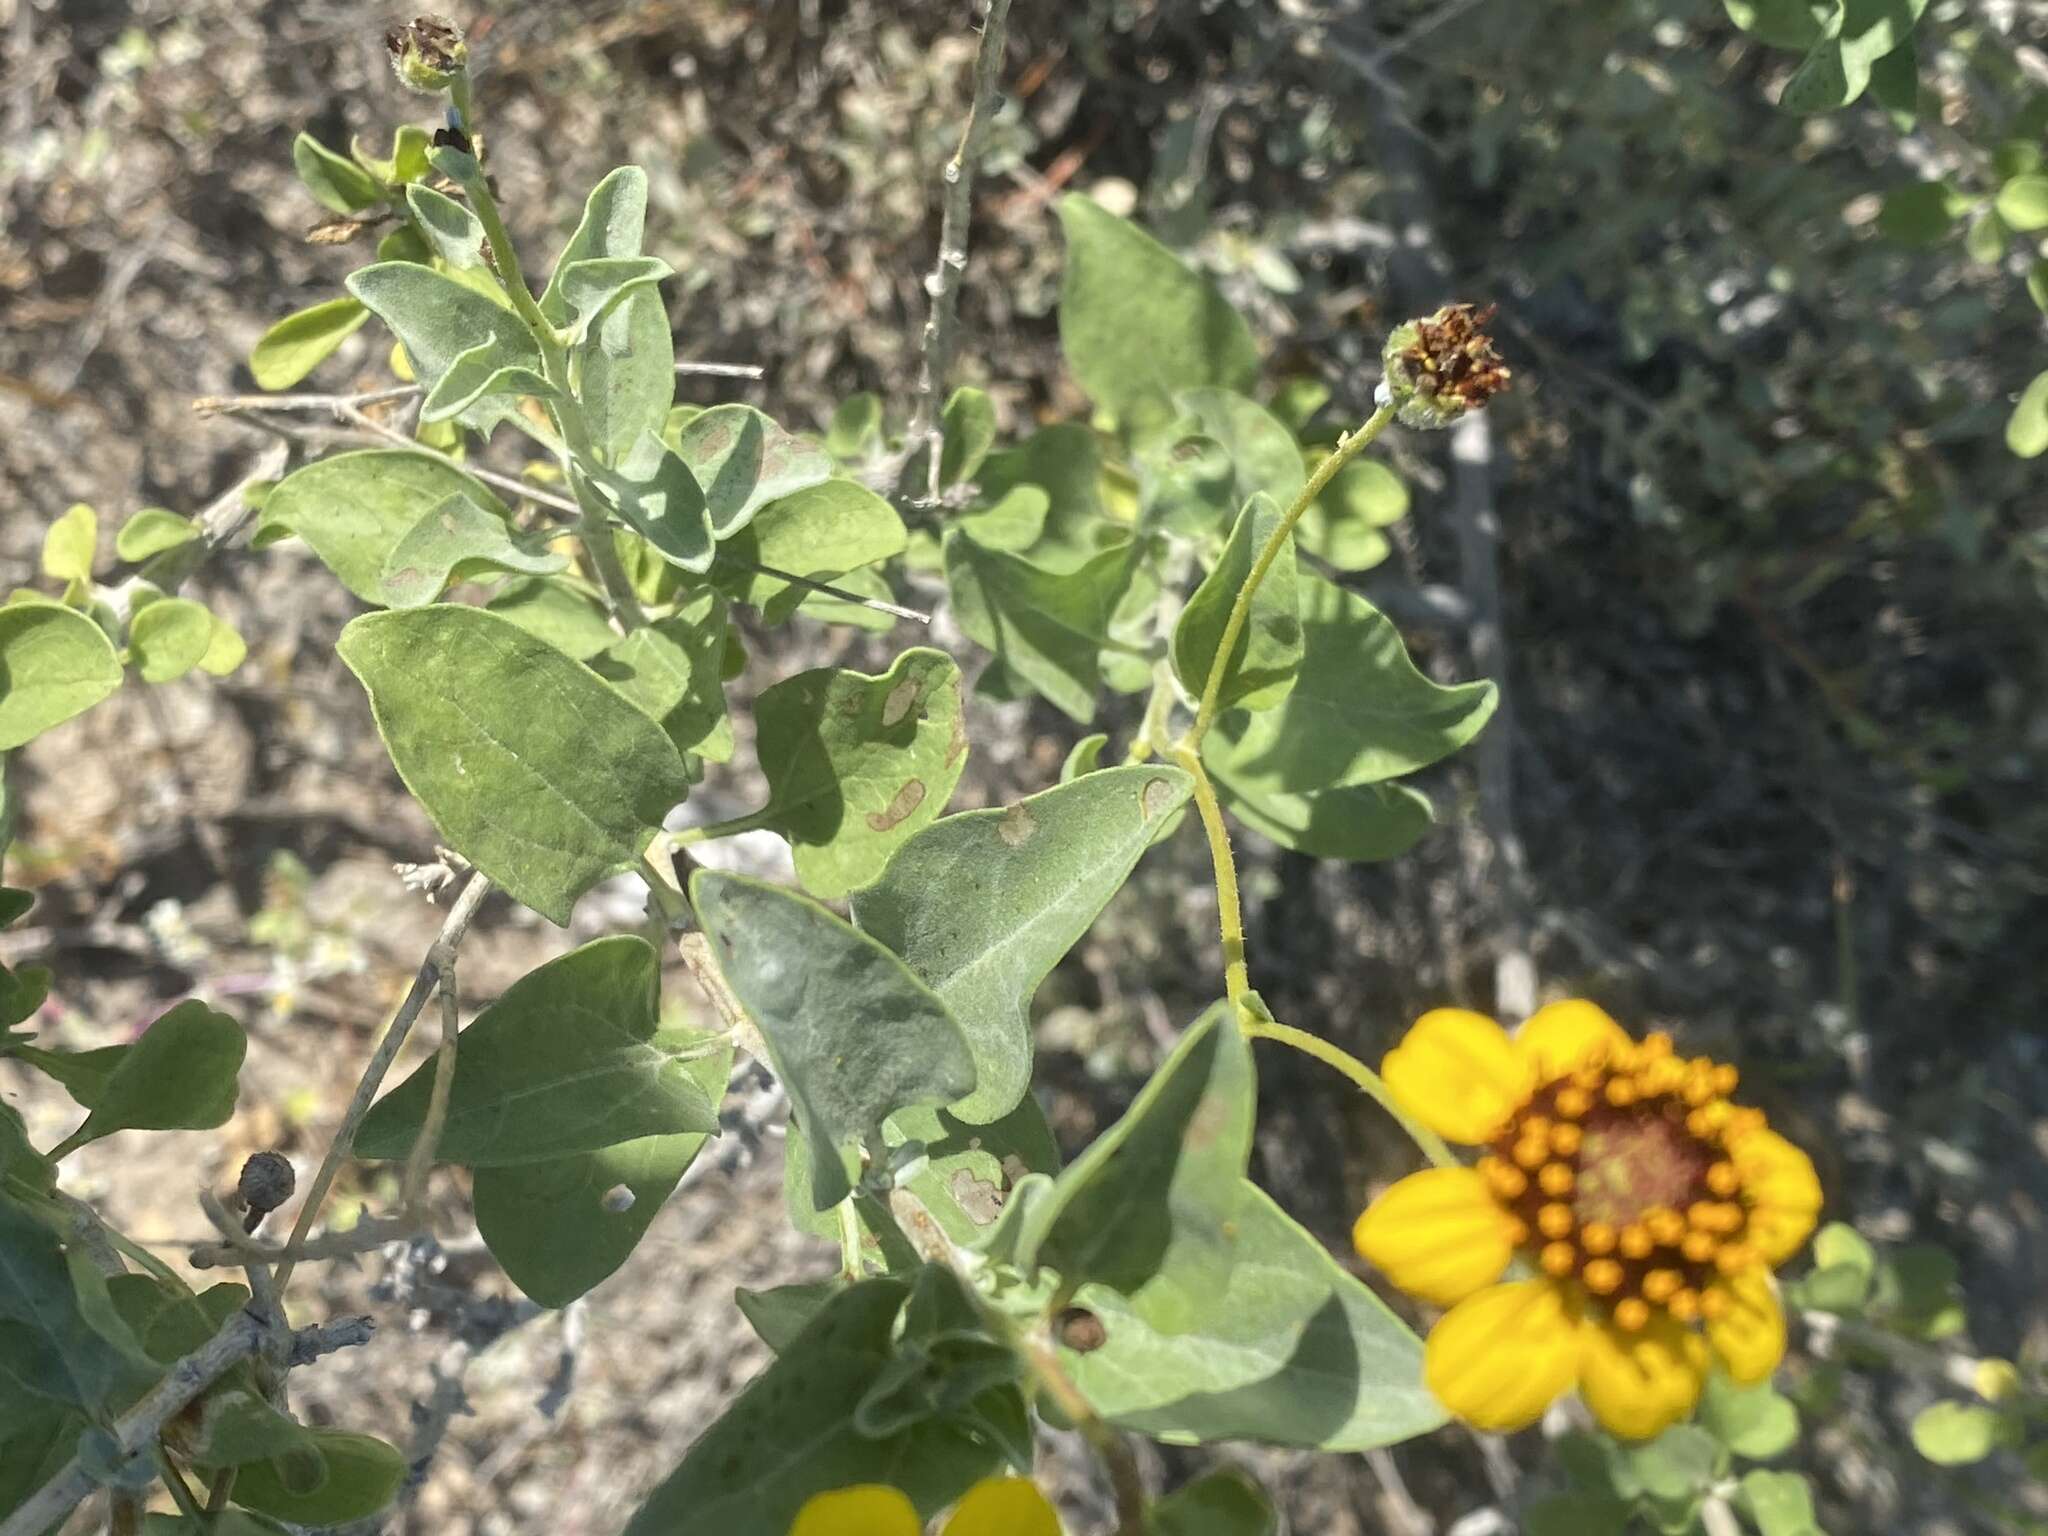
[[1229, 911], [1369, 1082], [1240, 610]]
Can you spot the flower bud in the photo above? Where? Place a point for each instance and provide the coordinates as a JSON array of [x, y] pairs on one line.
[[427, 54], [267, 1181], [1440, 367]]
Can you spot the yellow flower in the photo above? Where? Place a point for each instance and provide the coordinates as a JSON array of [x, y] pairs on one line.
[[995, 1506], [1651, 1209]]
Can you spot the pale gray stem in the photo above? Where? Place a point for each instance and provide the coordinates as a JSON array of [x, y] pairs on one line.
[[239, 1338], [943, 285], [423, 986]]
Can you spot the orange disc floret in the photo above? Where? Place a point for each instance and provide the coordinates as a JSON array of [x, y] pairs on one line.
[[1648, 1204]]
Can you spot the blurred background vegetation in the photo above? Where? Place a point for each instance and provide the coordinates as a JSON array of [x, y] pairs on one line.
[[1751, 554]]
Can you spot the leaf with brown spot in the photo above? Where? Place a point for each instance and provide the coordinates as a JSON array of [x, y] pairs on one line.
[[857, 764], [984, 904]]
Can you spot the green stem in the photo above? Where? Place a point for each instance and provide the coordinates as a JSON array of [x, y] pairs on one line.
[[711, 831], [1368, 1081], [1240, 610], [1229, 911], [595, 528], [849, 1240]]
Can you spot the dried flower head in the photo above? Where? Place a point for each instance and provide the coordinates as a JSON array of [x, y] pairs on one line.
[[427, 54], [1441, 366]]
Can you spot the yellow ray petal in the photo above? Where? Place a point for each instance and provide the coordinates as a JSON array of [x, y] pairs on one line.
[[1560, 1037], [1783, 1191], [1438, 1234], [1004, 1506], [1456, 1072], [1750, 1336], [1640, 1384], [1499, 1358], [865, 1509]]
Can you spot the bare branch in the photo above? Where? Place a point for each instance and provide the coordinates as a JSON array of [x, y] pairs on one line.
[[367, 1235], [423, 986], [943, 285], [724, 370], [239, 1338]]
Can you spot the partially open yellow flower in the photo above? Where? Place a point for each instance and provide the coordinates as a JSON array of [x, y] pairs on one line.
[[1652, 1209], [995, 1506]]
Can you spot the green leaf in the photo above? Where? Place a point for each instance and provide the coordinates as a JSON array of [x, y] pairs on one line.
[[2037, 285], [1221, 1503], [1678, 1466], [1149, 1210], [1360, 712], [1188, 488], [571, 1059], [1952, 1434], [407, 160], [1837, 69], [439, 320], [969, 1174], [1754, 1422], [791, 1434], [968, 427], [983, 905], [744, 460], [592, 288], [355, 509], [1781, 1503], [628, 376], [1267, 651], [456, 538], [778, 1315], [1046, 626], [69, 546], [1063, 465], [823, 533], [480, 716], [1342, 527], [850, 1030], [42, 1324], [169, 638], [483, 383], [670, 668], [1920, 214], [1263, 454], [550, 609], [54, 663], [660, 499], [1986, 240], [1136, 324], [336, 182], [153, 531], [232, 1426], [1781, 23], [363, 1477], [560, 1227], [1359, 823], [2023, 202], [452, 232], [1084, 757], [856, 426], [35, 1453], [300, 342], [1290, 1350], [178, 1075], [1574, 1514], [857, 764], [2026, 433]]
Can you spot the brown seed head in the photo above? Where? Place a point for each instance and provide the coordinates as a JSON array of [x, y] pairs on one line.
[[1443, 365]]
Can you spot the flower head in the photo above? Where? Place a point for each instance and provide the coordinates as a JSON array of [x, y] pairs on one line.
[[1441, 366], [427, 53], [1651, 1208], [995, 1506]]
